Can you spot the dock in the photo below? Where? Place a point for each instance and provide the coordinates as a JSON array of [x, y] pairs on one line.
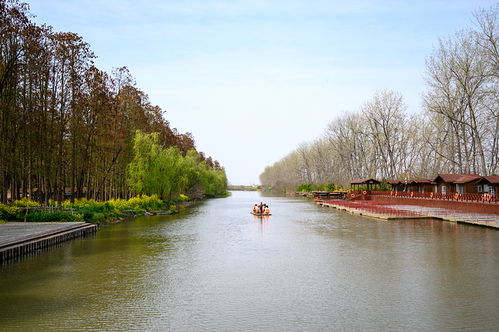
[[387, 211], [18, 239]]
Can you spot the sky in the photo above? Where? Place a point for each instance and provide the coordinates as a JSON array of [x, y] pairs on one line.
[[251, 80]]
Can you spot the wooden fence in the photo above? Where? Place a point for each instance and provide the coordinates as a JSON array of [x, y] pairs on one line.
[[472, 198]]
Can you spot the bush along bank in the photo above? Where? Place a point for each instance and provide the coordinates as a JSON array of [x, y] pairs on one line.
[[89, 210]]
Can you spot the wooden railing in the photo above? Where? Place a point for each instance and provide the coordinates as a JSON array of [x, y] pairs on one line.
[[482, 198]]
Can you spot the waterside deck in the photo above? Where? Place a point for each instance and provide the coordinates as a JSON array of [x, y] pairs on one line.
[[388, 211], [20, 238]]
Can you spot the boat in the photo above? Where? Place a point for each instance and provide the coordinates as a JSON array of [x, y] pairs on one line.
[[261, 214]]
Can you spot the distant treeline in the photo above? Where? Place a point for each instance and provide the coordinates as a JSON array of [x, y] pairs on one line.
[[65, 125], [244, 188], [457, 131]]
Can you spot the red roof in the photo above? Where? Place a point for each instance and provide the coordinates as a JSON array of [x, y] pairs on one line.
[[411, 181], [420, 181], [364, 181], [458, 178], [492, 179]]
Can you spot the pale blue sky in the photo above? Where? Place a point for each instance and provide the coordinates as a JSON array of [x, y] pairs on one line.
[[253, 79]]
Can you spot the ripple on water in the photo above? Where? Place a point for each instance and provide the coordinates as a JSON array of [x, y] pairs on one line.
[[218, 268]]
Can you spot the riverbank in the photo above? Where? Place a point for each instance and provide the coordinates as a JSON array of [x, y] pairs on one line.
[[87, 210]]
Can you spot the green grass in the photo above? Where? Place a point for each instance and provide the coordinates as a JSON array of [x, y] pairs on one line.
[[48, 216], [97, 212], [9, 213], [86, 209]]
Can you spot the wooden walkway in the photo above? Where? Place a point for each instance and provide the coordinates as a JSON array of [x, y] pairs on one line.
[[387, 211], [21, 238]]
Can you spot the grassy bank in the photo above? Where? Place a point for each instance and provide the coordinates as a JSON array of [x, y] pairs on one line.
[[87, 210]]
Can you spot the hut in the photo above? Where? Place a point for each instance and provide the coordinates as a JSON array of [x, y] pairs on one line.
[[488, 184], [420, 185], [456, 183], [412, 185], [369, 184], [397, 185]]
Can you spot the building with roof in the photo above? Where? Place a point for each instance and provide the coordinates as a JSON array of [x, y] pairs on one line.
[[456, 183], [445, 184], [369, 184], [413, 185], [488, 184]]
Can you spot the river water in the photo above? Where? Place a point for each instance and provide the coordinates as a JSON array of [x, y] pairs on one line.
[[215, 267]]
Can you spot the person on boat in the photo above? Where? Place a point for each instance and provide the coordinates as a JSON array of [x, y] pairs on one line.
[[264, 209], [267, 210], [260, 208], [256, 209]]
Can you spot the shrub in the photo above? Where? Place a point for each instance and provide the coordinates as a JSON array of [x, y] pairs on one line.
[[88, 210], [329, 187], [91, 205], [317, 187], [66, 203], [304, 188], [98, 217], [173, 209], [46, 216], [120, 204], [94, 211], [146, 203], [25, 202], [9, 212], [182, 198]]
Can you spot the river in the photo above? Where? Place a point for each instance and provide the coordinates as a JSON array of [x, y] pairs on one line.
[[215, 267]]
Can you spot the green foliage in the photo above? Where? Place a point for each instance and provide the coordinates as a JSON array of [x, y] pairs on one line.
[[83, 209], [96, 217], [329, 187], [167, 173], [304, 188], [9, 212], [182, 198], [25, 202], [91, 205], [317, 187], [121, 204], [173, 209], [154, 170], [385, 186], [50, 216], [94, 211], [145, 203]]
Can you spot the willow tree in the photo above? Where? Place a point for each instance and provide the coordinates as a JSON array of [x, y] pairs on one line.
[[155, 169]]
